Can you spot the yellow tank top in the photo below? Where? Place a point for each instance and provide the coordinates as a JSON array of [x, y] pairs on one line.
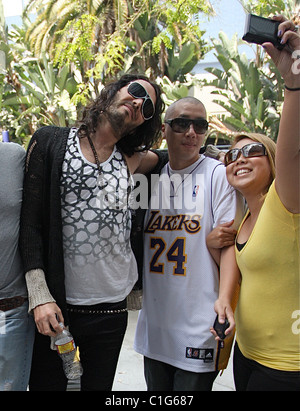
[[268, 311]]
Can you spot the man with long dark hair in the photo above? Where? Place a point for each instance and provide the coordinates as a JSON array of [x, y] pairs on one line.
[[75, 228]]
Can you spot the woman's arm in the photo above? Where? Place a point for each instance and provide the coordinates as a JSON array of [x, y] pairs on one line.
[[229, 284], [288, 143]]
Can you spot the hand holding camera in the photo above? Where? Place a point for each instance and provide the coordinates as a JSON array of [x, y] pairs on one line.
[[280, 38], [260, 30]]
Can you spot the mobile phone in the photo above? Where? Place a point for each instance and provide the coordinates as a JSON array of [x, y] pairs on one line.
[[260, 30], [221, 328]]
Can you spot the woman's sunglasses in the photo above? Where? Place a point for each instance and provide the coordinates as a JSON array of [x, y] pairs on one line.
[[180, 125], [136, 90], [250, 150]]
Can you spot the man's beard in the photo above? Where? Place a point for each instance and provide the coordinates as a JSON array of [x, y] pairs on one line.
[[117, 121]]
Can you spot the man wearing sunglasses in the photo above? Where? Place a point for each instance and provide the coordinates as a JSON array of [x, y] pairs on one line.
[[181, 279], [76, 248]]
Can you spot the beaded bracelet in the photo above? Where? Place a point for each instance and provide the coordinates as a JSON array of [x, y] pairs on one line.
[[292, 89]]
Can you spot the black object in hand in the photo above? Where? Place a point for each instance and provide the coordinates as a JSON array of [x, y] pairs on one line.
[[221, 328], [260, 30]]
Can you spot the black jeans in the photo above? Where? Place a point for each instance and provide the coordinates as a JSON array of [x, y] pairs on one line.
[[249, 375], [164, 377], [99, 338]]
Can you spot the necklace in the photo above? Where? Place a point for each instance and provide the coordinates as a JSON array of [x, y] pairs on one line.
[[102, 184], [199, 161]]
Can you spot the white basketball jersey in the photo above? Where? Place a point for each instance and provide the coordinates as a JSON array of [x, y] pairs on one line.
[[181, 280]]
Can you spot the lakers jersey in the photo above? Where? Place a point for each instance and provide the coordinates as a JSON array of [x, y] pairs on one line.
[[180, 278]]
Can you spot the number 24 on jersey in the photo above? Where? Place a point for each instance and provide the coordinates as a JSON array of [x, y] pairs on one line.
[[175, 254]]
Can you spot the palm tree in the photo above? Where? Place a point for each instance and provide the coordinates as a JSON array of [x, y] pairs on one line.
[[53, 16], [80, 27], [104, 37]]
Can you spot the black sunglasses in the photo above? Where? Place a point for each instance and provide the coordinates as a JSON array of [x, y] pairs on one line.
[[180, 125], [136, 90], [249, 150]]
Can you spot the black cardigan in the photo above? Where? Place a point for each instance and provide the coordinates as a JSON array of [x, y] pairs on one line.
[[41, 240]]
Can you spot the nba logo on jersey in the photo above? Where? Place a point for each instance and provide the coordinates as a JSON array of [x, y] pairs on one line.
[[195, 191], [194, 185], [205, 354]]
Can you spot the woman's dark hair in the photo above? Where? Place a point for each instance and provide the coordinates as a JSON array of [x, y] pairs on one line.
[[144, 136]]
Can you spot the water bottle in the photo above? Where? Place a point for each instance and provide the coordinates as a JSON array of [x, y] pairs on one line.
[[66, 348]]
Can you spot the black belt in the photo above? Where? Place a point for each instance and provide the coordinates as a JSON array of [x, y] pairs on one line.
[[105, 308], [10, 303], [91, 311]]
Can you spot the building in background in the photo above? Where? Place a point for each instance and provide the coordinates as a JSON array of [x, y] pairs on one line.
[[13, 10]]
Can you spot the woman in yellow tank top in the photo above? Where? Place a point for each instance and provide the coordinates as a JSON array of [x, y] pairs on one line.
[[267, 354]]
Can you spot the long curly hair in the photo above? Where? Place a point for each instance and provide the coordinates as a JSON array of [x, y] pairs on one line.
[[144, 136]]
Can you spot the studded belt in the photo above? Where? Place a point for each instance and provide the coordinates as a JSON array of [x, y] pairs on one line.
[[7, 304], [92, 311]]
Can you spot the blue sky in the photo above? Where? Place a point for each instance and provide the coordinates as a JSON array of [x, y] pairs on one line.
[[230, 18]]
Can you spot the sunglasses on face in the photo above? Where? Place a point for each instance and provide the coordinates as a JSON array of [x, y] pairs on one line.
[[180, 125], [250, 150], [136, 90]]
